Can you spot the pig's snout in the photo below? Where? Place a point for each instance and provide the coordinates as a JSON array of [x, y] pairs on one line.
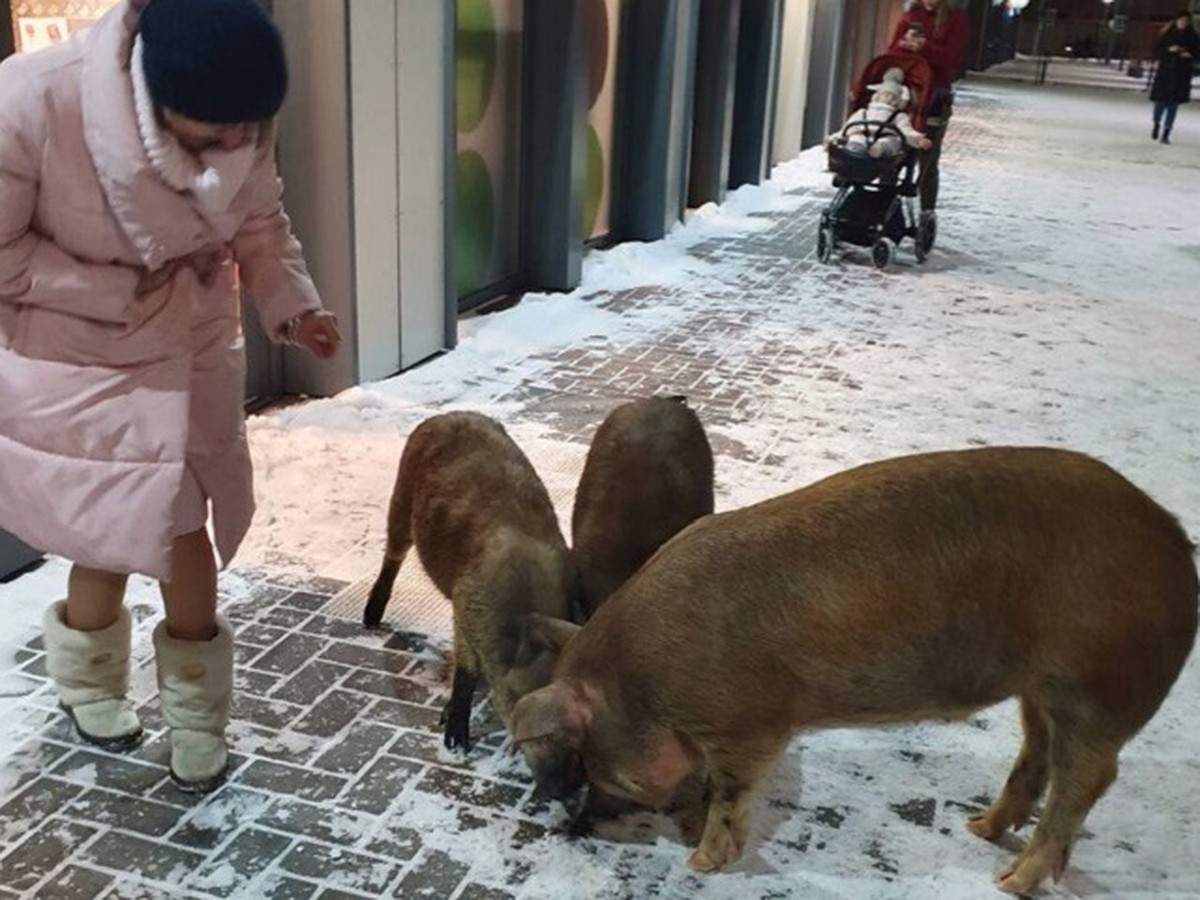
[[561, 777]]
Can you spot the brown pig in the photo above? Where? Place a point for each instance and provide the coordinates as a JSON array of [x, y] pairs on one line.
[[649, 473], [924, 586], [487, 535]]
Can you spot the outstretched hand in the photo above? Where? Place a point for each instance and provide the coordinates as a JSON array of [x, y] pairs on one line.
[[316, 331]]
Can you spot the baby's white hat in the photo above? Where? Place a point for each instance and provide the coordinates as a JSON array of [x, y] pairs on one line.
[[893, 82]]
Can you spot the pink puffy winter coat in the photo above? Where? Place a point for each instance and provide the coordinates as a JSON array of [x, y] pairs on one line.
[[106, 398]]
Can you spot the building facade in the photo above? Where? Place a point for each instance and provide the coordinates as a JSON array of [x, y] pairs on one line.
[[442, 155]]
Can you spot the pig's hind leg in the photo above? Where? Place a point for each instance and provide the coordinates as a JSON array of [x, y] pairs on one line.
[[1083, 763], [1026, 781]]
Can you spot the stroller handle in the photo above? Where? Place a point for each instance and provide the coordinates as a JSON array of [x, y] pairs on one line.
[[883, 125]]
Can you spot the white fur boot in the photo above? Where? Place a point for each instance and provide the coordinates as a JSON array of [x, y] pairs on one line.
[[91, 673], [195, 684]]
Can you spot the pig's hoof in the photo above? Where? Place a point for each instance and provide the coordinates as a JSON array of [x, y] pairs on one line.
[[983, 826], [1026, 873], [458, 732], [715, 852]]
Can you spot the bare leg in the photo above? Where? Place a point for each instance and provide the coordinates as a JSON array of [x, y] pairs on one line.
[[1083, 763], [190, 597], [94, 598], [1026, 782]]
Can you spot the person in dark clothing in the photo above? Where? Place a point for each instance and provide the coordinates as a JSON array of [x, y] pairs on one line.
[[1177, 50], [937, 31]]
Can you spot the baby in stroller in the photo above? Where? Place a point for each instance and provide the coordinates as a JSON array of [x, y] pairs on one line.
[[874, 163], [883, 127]]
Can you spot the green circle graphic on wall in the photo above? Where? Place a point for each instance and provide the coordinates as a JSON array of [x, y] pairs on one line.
[[474, 62], [595, 182], [474, 221]]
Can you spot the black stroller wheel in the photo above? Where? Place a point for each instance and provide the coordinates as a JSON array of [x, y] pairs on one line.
[[825, 243], [926, 234], [883, 252]]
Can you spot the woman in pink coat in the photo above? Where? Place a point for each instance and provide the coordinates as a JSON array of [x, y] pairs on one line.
[[137, 187]]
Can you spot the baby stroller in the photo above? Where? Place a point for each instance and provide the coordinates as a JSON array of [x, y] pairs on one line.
[[874, 205]]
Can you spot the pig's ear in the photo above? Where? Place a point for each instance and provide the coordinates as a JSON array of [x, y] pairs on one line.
[[557, 711], [549, 633]]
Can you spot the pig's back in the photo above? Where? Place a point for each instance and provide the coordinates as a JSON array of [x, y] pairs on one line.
[[649, 474], [931, 580], [471, 483]]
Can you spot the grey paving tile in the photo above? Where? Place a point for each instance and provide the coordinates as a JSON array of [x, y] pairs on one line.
[[285, 746], [394, 843], [336, 710], [321, 823], [309, 683], [41, 853], [340, 869], [287, 617], [363, 743], [133, 889], [473, 891], [331, 894], [291, 780], [374, 790], [248, 602], [409, 642], [314, 592], [211, 822], [349, 654], [290, 654], [251, 852], [282, 887], [391, 686], [90, 767], [404, 715], [24, 765], [468, 789], [75, 883], [260, 634], [137, 855], [427, 747], [24, 655], [252, 681], [270, 714], [36, 800], [117, 810], [434, 875], [342, 629]]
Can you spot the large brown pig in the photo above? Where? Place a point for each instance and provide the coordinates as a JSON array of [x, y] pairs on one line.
[[924, 586], [649, 474], [487, 535]]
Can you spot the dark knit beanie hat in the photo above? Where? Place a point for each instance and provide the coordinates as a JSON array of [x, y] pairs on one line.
[[215, 61]]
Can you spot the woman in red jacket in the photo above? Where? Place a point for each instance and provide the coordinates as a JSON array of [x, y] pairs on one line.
[[937, 31]]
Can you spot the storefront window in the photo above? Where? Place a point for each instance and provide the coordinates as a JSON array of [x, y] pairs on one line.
[[44, 23]]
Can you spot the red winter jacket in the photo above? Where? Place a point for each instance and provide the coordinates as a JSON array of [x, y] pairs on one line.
[[943, 50]]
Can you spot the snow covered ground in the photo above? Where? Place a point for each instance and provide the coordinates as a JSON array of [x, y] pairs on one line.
[[1061, 307]]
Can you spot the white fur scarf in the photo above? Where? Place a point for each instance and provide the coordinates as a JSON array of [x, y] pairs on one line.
[[213, 177]]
